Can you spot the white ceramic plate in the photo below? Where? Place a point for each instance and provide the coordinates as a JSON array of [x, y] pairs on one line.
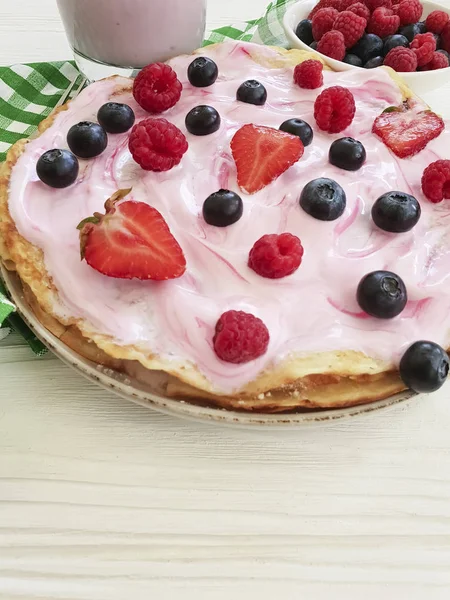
[[138, 393]]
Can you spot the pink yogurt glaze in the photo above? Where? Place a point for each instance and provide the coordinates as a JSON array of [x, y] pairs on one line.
[[313, 310]]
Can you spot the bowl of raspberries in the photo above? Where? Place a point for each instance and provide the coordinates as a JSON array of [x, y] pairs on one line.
[[410, 36]]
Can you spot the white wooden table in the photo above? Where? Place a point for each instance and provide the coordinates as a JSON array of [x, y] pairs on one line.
[[103, 500]]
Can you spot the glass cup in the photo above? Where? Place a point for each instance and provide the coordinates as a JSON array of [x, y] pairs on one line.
[[111, 37]]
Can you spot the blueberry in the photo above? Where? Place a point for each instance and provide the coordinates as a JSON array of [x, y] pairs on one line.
[[304, 32], [410, 31], [369, 46], [252, 92], [299, 128], [323, 199], [424, 367], [396, 212], [352, 59], [374, 62], [392, 41], [115, 117], [202, 120], [222, 208], [202, 72], [313, 46], [445, 53], [438, 41], [86, 139], [347, 153], [382, 294], [57, 168]]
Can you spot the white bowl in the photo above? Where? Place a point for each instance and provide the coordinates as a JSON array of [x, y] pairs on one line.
[[418, 82]]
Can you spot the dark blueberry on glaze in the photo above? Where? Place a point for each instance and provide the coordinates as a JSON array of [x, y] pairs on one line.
[[202, 72], [222, 208], [57, 168], [252, 92], [304, 32], [202, 120], [115, 117], [352, 59], [87, 139], [424, 367], [396, 212], [323, 199], [347, 153], [369, 46], [299, 128], [392, 41], [373, 63], [382, 294]]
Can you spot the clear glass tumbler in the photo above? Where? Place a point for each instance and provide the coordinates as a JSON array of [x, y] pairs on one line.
[[111, 37]]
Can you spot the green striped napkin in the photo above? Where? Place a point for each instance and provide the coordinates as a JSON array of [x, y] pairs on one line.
[[28, 94]]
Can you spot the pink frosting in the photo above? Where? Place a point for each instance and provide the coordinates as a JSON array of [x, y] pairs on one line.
[[313, 310]]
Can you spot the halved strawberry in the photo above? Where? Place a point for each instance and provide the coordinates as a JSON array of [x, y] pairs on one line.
[[131, 240], [262, 154], [407, 130]]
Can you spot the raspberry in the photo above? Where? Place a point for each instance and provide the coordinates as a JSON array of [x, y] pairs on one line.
[[156, 144], [360, 9], [374, 4], [156, 88], [445, 37], [439, 61], [240, 337], [436, 21], [344, 4], [275, 256], [334, 109], [436, 181], [324, 4], [409, 11], [309, 74], [423, 46], [383, 22], [323, 22], [332, 44], [351, 26], [401, 59]]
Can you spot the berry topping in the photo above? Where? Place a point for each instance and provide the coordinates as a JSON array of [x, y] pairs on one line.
[[424, 367], [347, 153], [396, 212], [240, 337], [374, 62], [436, 181], [382, 294], [115, 117], [323, 199], [409, 11], [436, 21], [407, 132], [383, 22], [352, 59], [360, 9], [401, 59], [351, 26], [410, 31], [86, 139], [438, 61], [156, 144], [252, 92], [222, 208], [202, 120], [202, 72], [275, 256], [369, 46], [131, 240], [393, 41], [423, 46], [323, 22], [299, 128], [262, 154], [304, 31], [309, 74], [334, 109], [332, 44], [57, 168], [156, 88], [445, 37]]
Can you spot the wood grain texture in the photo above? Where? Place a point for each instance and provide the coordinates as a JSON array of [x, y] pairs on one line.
[[104, 500]]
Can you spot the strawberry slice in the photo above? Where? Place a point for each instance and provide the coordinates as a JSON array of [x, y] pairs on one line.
[[262, 154], [406, 131], [131, 240]]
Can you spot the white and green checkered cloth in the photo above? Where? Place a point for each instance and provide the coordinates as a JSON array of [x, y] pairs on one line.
[[28, 94]]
